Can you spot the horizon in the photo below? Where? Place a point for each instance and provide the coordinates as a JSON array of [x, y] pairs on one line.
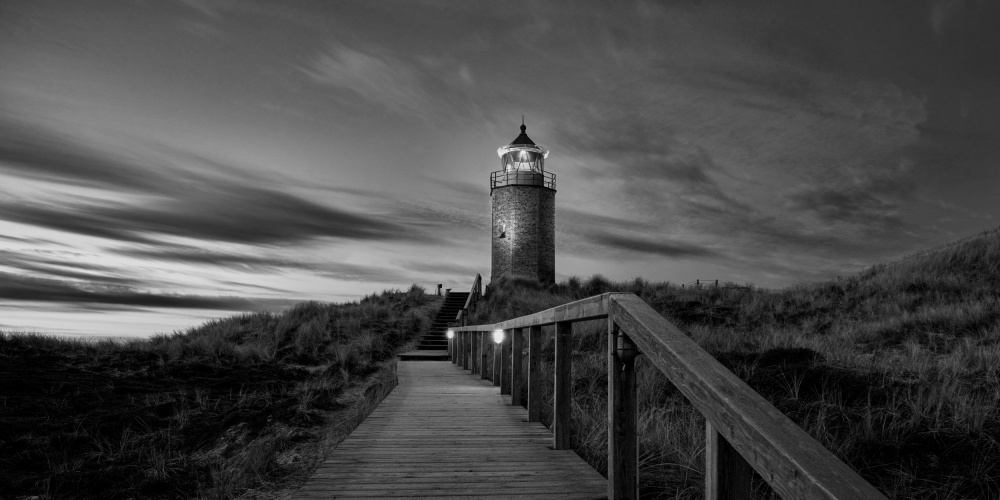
[[166, 163]]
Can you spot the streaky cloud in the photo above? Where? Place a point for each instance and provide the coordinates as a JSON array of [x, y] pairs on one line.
[[26, 288], [640, 245], [214, 201]]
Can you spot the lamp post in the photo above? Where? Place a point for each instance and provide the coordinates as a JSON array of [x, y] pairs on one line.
[[625, 349], [451, 344], [498, 336], [623, 413]]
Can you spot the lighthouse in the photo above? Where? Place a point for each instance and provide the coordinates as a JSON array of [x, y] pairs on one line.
[[523, 201]]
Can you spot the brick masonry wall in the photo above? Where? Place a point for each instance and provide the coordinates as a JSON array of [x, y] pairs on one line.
[[526, 216]]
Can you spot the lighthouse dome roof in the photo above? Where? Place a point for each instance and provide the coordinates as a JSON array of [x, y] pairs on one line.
[[522, 139], [523, 142]]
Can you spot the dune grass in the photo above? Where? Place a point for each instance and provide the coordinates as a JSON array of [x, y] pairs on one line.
[[219, 411], [896, 369]]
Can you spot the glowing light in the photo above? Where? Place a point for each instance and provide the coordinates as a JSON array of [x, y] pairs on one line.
[[498, 336], [451, 333]]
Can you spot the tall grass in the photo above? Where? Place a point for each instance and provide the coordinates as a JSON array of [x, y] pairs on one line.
[[896, 369], [217, 411]]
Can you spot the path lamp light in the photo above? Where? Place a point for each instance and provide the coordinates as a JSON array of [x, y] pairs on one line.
[[498, 336]]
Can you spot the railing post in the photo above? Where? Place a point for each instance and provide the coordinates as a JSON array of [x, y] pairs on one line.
[[727, 474], [516, 353], [474, 353], [562, 406], [623, 456], [498, 364], [465, 350], [534, 373], [505, 367], [484, 352]]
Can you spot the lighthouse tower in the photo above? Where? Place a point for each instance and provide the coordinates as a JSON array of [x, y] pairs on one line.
[[523, 198]]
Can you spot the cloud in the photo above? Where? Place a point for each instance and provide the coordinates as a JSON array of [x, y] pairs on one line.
[[24, 288], [729, 134], [260, 263], [571, 220], [196, 256], [207, 200], [441, 268], [363, 273], [62, 265], [422, 87], [858, 205], [647, 246], [438, 216], [380, 79], [34, 152]]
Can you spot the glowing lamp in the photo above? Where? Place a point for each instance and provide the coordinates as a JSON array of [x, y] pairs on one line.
[[450, 334], [498, 336]]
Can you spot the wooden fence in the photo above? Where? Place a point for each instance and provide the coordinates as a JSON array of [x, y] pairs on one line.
[[743, 432]]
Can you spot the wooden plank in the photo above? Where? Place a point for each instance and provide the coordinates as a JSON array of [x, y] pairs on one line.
[[787, 457], [444, 434], [563, 397], [516, 366], [534, 373], [623, 412]]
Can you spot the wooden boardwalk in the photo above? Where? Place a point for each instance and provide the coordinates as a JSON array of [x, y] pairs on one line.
[[443, 433]]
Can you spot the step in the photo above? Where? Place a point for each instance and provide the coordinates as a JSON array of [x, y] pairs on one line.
[[432, 348], [427, 355], [443, 343]]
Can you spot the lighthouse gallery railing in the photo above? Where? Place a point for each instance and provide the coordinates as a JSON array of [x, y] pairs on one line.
[[744, 432], [503, 178]]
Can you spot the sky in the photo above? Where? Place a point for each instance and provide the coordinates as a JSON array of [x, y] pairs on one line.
[[167, 162]]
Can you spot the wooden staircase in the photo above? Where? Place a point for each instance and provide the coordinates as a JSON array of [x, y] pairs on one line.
[[433, 345]]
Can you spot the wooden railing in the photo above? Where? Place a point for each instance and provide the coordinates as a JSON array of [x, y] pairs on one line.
[[470, 303], [743, 431]]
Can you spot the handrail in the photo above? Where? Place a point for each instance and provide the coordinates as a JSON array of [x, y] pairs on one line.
[[470, 302], [743, 430]]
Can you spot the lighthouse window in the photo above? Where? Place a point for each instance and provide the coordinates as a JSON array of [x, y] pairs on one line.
[[523, 161]]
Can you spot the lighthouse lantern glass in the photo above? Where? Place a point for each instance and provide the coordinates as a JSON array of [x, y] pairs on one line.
[[522, 159]]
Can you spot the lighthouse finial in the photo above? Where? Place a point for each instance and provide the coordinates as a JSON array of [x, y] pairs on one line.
[[523, 128]]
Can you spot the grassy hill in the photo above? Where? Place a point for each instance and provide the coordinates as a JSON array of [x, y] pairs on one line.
[[239, 406], [896, 369]]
